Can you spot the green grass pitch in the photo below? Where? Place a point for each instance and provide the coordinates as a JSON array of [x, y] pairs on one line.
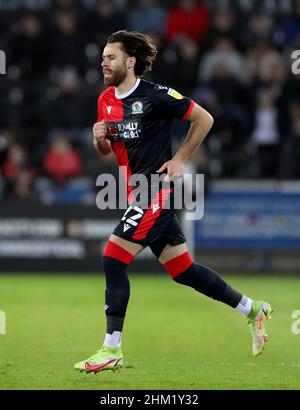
[[174, 338]]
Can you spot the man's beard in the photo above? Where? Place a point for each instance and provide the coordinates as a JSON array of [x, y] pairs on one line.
[[116, 77]]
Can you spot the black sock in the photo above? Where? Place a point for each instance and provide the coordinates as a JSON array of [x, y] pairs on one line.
[[116, 294], [114, 324], [210, 283]]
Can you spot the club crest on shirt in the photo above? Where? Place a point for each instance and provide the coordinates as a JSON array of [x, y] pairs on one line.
[[137, 107]]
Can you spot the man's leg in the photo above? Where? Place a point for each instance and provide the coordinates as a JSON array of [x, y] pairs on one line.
[[118, 254], [183, 270]]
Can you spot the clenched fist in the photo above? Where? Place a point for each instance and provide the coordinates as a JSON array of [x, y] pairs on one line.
[[101, 144], [100, 130]]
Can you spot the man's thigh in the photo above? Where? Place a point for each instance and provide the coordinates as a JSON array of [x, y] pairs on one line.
[[130, 247], [172, 251], [170, 243]]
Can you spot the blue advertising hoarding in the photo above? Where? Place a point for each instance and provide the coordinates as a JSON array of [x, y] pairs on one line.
[[254, 219]]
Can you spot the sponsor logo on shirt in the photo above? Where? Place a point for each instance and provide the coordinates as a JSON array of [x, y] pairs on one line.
[[124, 130]]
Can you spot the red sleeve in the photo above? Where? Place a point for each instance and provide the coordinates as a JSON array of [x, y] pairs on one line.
[[100, 112]]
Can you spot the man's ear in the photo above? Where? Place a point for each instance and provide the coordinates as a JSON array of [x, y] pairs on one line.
[[131, 62]]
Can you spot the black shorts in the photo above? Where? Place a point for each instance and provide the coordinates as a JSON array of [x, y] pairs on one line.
[[147, 228]]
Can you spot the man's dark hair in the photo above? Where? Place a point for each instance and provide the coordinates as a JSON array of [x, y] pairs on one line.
[[136, 45]]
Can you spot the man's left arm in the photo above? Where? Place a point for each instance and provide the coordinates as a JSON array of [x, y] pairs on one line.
[[201, 123]]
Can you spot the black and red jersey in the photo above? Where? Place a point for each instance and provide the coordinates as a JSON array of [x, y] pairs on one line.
[[139, 124]]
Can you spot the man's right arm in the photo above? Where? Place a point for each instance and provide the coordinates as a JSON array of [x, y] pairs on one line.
[[101, 143]]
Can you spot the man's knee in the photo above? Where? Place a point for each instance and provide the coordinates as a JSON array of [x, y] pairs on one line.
[[115, 256], [204, 280], [178, 265], [113, 266], [115, 262]]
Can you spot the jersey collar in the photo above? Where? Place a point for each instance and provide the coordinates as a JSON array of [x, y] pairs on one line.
[[121, 96]]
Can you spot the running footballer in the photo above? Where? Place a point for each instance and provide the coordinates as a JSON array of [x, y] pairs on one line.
[[134, 119]]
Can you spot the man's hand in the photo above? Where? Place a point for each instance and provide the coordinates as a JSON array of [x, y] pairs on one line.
[[175, 169], [101, 144], [100, 130]]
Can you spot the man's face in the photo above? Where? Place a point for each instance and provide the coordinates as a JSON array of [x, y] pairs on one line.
[[114, 64]]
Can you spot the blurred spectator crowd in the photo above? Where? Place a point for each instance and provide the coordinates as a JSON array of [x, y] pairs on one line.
[[232, 56]]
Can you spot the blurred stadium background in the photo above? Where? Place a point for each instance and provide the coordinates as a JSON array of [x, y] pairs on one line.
[[232, 56]]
